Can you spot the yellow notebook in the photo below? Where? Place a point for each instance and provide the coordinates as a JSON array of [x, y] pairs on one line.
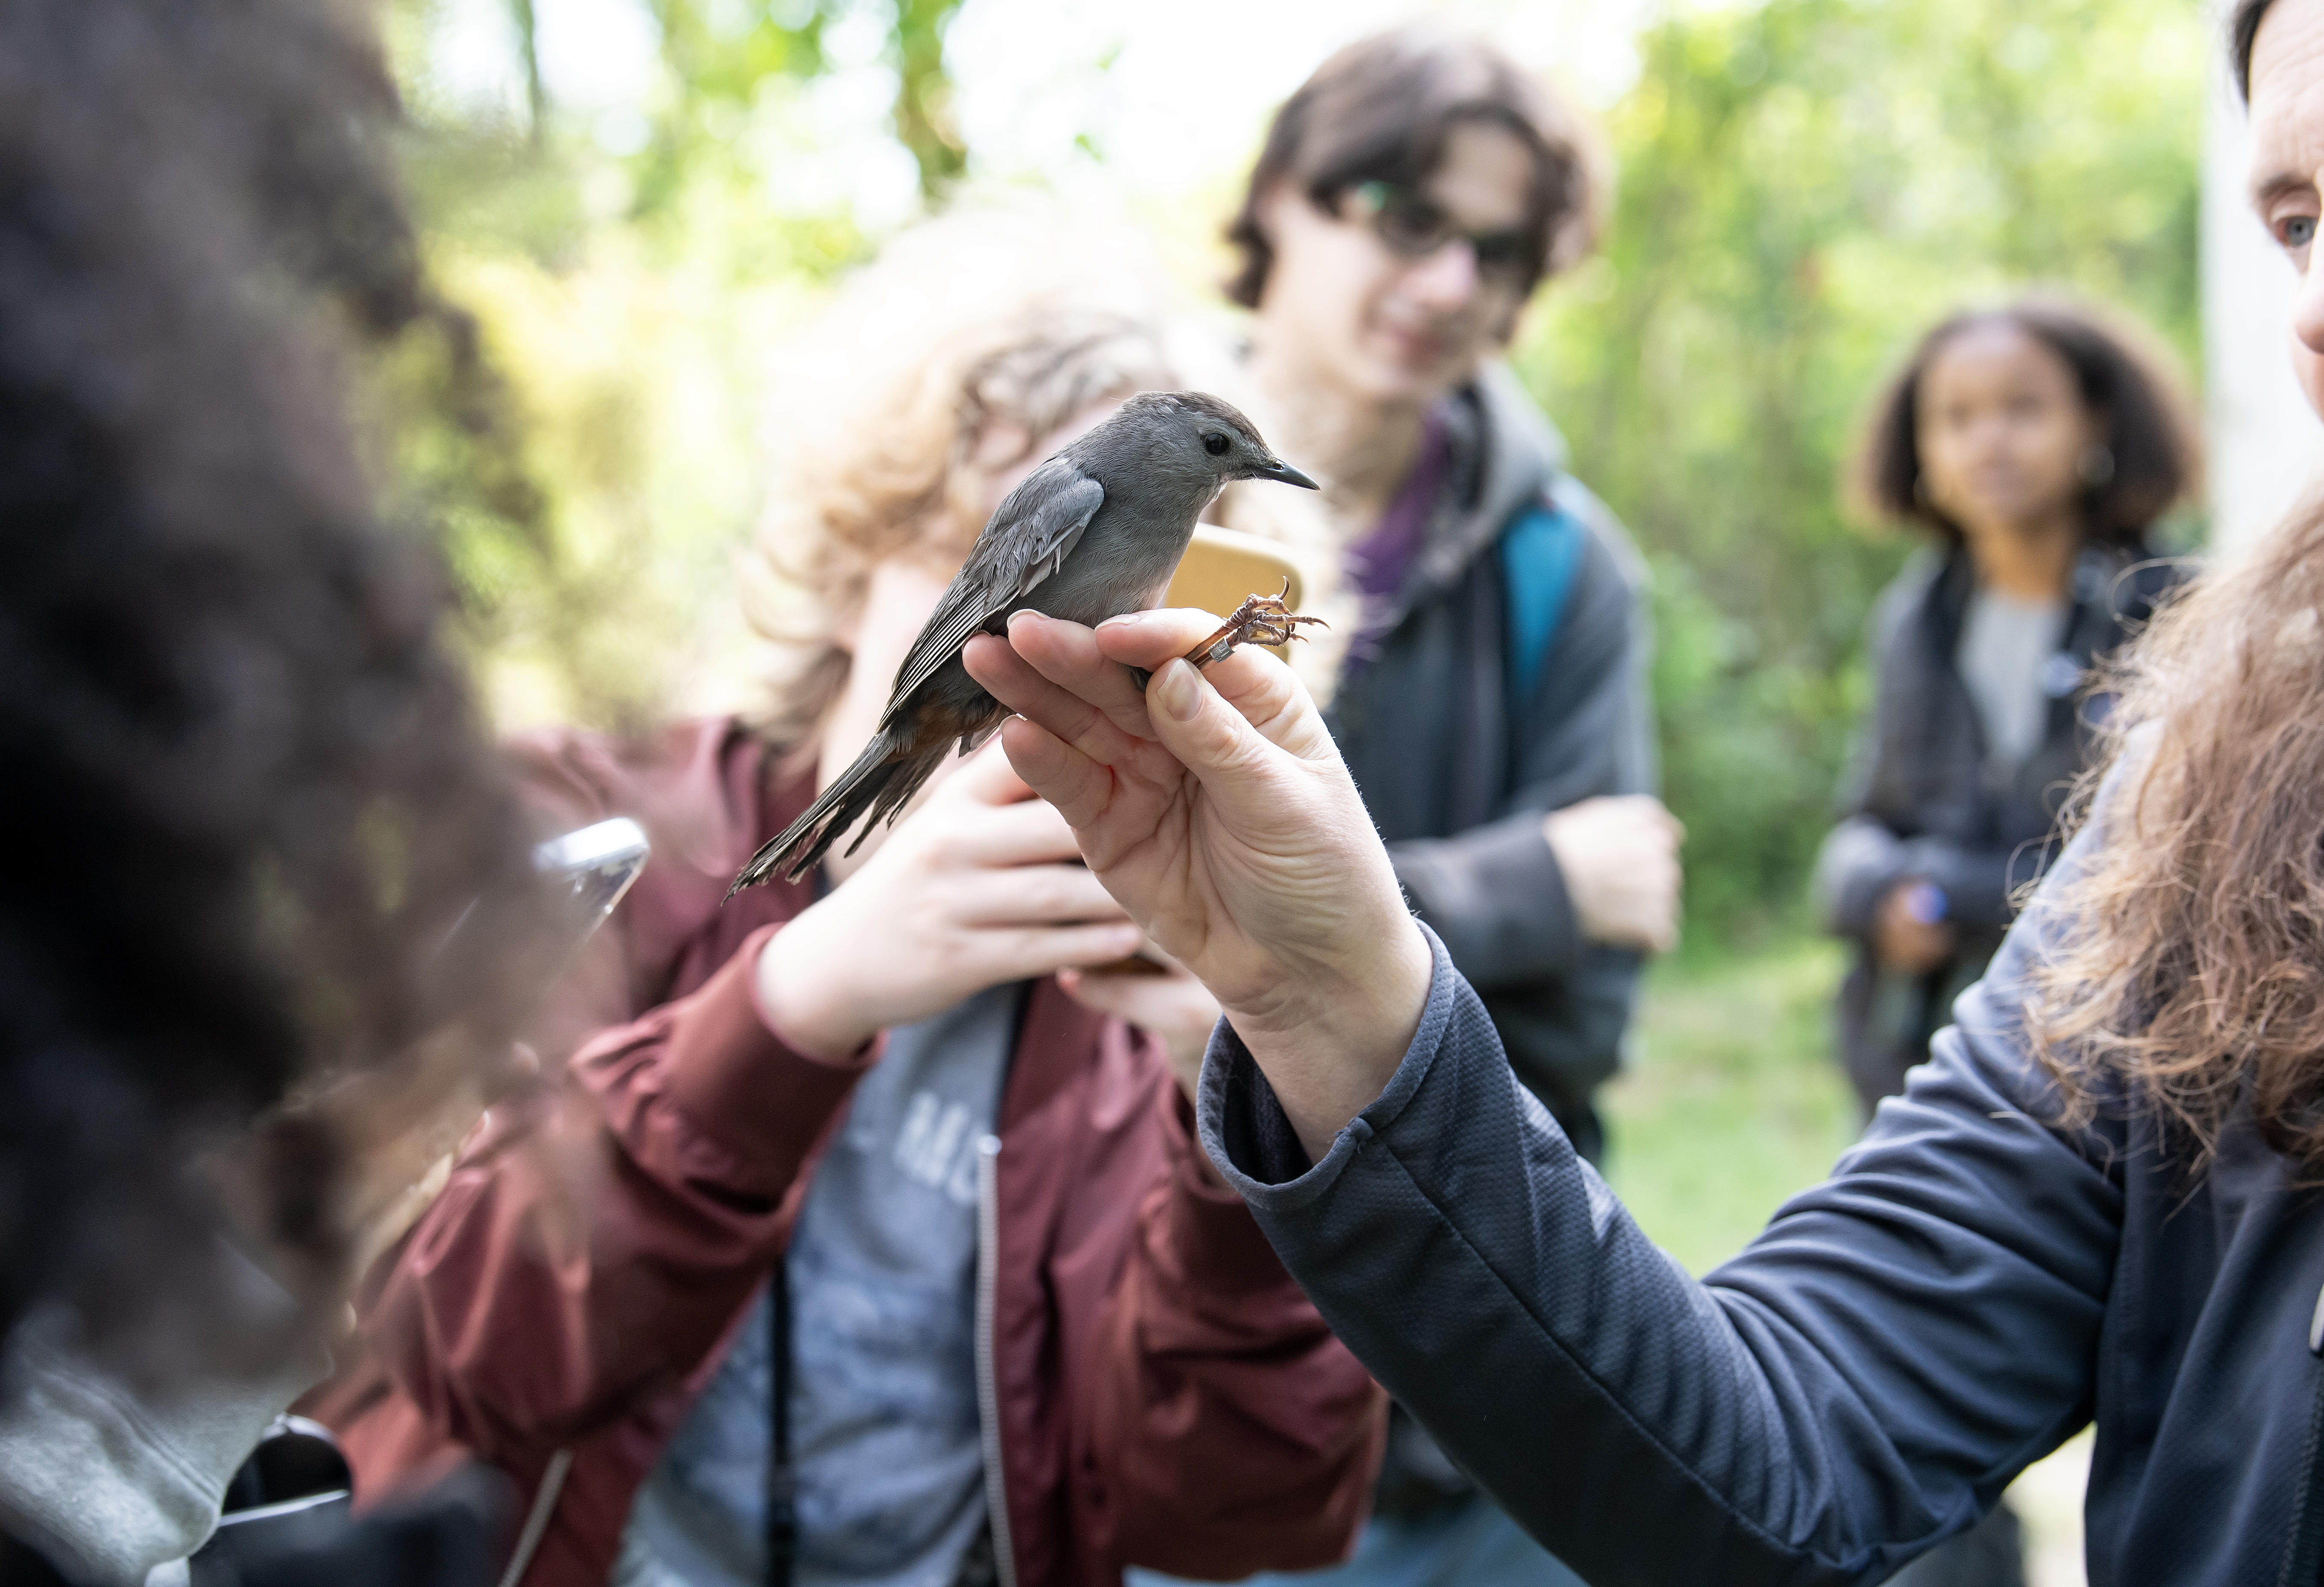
[[1221, 568]]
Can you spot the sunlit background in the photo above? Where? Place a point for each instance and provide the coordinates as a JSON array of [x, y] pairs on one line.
[[642, 201]]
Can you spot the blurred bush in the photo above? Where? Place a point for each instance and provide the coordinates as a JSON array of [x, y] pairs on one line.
[[627, 270], [1805, 185]]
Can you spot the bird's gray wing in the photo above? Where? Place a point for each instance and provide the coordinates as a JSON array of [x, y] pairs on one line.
[[1030, 536]]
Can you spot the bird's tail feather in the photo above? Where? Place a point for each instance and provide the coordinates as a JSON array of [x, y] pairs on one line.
[[880, 781]]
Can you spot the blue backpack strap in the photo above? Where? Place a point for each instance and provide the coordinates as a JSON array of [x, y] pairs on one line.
[[1540, 551]]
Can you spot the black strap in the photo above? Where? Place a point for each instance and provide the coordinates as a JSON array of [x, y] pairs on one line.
[[22, 1565], [782, 1477]]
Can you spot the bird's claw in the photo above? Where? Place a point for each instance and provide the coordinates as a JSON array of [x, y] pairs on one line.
[[1260, 620]]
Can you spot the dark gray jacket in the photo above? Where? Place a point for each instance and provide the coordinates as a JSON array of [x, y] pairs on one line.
[[1457, 775], [1918, 801], [1970, 1287]]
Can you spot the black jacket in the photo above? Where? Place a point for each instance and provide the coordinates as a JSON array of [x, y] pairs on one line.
[[1457, 775], [1917, 801], [1972, 1286]]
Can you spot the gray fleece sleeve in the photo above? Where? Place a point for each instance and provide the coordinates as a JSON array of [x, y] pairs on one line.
[[1866, 855], [1820, 1411], [1859, 861], [1494, 893]]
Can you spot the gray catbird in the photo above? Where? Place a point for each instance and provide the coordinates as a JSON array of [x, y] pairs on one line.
[[1094, 531]]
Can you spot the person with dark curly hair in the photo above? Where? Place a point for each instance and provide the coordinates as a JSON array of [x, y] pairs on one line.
[[249, 796], [2036, 445]]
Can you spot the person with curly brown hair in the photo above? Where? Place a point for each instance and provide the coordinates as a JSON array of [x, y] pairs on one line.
[[864, 1238], [248, 796], [2095, 1205]]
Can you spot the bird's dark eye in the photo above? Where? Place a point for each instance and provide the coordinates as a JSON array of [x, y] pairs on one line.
[[1215, 444]]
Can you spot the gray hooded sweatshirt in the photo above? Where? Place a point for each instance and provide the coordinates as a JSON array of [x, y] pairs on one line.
[[1457, 771]]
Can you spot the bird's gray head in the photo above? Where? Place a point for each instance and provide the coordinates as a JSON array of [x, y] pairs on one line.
[[1195, 434]]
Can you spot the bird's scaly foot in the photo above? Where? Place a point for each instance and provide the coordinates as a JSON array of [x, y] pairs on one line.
[[1260, 620]]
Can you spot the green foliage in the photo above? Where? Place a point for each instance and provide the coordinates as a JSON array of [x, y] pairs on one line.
[[923, 110], [1732, 1102], [721, 56], [582, 434], [1805, 186]]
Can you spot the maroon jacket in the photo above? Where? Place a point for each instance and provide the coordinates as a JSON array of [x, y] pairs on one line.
[[1167, 1396]]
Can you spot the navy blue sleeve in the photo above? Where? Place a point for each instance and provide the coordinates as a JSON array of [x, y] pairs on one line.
[[1859, 1384]]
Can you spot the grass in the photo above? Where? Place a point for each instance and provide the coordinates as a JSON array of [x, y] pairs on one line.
[[1732, 1100]]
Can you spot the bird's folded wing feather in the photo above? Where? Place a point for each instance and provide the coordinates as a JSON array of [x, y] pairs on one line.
[[1030, 536]]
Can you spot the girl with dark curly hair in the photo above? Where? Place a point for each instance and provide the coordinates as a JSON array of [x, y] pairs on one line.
[[2036, 445]]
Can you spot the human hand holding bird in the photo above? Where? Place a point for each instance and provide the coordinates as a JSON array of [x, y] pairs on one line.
[[1215, 808], [1094, 531], [984, 885]]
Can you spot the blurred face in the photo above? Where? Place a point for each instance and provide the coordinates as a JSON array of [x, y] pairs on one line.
[[902, 595], [1397, 296], [2287, 108], [2001, 430]]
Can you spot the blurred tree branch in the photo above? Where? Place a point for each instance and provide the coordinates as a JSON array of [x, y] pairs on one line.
[[923, 112], [536, 96], [722, 54]]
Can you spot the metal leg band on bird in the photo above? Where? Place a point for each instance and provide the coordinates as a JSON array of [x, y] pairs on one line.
[[1260, 620]]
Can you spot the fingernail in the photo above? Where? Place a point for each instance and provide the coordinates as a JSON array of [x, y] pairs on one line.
[[1179, 692]]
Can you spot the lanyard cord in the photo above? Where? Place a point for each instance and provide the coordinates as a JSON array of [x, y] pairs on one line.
[[782, 1479]]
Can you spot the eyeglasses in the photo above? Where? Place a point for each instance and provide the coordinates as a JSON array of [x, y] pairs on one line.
[[1413, 226]]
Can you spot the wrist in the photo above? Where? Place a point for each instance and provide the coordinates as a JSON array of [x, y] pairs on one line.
[[1332, 1040], [805, 1003]]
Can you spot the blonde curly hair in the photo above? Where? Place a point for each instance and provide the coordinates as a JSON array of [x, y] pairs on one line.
[[943, 364]]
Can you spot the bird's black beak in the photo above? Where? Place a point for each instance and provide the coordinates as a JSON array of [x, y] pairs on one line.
[[1278, 469]]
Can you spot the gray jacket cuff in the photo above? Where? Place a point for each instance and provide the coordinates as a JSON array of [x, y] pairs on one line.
[[1859, 861], [1976, 881]]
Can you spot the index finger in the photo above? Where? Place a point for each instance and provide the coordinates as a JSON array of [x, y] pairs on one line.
[[1084, 667], [1150, 638], [1025, 833], [1048, 672], [1261, 687]]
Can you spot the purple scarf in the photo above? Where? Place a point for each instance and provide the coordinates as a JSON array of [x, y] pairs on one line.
[[1378, 564]]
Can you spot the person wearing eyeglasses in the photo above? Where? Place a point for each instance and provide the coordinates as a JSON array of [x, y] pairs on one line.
[[1409, 199]]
